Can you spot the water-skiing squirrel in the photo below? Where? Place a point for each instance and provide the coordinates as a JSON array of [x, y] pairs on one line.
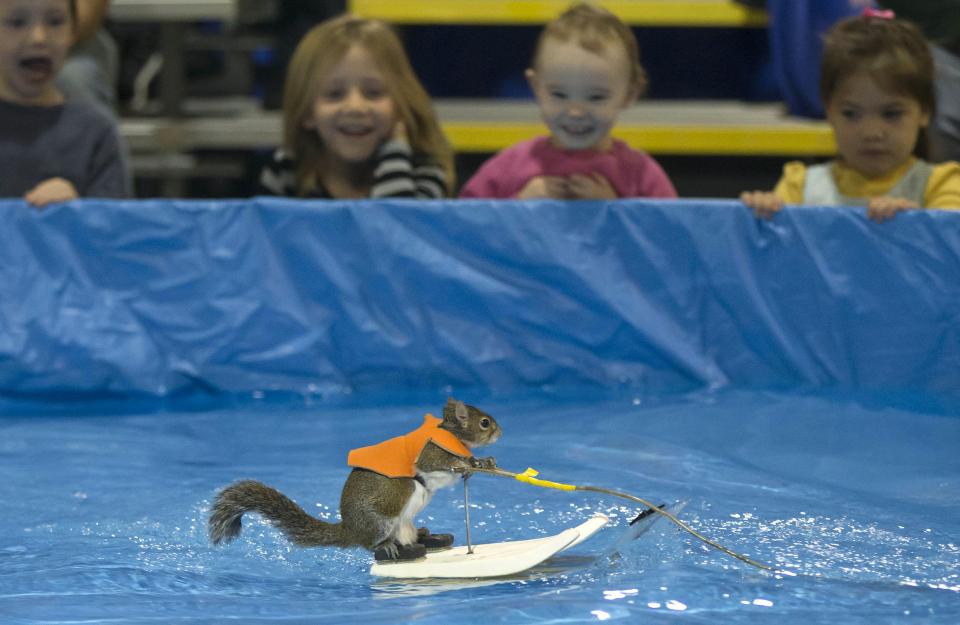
[[389, 485]]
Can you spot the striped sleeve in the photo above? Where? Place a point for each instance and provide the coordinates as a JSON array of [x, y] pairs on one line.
[[278, 176], [431, 181], [398, 174]]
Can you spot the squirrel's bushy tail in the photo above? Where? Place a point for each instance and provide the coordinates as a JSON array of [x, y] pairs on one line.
[[251, 496]]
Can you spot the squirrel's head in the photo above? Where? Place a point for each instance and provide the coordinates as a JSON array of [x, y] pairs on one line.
[[471, 425]]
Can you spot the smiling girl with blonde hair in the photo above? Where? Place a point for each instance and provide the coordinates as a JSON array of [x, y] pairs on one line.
[[356, 121]]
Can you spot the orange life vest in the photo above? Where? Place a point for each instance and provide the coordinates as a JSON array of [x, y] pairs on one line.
[[396, 457]]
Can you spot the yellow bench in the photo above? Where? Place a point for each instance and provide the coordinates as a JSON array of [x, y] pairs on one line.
[[689, 127], [724, 13]]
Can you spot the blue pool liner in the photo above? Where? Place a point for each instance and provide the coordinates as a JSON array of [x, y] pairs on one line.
[[104, 298]]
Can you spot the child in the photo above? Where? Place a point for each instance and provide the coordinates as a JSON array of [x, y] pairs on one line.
[[877, 85], [586, 70], [356, 121], [51, 149]]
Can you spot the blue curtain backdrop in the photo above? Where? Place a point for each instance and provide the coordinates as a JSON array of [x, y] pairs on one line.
[[160, 297], [797, 28]]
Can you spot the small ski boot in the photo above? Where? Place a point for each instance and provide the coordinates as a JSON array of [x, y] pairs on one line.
[[434, 541]]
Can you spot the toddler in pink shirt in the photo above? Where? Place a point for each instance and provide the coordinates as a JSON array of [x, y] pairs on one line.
[[586, 70]]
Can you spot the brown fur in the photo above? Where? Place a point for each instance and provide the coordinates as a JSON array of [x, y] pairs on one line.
[[370, 503]]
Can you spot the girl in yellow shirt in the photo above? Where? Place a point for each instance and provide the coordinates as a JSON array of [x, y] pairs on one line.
[[877, 84]]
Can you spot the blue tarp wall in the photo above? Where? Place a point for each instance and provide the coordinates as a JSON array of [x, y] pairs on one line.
[[161, 297]]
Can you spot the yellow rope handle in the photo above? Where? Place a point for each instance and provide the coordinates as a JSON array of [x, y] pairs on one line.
[[529, 477]]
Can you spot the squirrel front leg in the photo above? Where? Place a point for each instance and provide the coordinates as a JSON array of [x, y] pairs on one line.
[[435, 458]]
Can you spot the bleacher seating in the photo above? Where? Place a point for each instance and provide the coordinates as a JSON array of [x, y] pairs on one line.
[[683, 128], [694, 127]]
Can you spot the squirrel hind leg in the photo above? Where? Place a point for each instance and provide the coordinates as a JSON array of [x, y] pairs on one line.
[[392, 551]]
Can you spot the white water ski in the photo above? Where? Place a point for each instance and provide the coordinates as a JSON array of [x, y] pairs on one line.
[[490, 560]]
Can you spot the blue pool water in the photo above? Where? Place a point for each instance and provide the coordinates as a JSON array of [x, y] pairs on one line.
[[856, 500]]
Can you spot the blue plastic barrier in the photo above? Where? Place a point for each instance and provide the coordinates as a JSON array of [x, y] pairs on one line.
[[157, 297]]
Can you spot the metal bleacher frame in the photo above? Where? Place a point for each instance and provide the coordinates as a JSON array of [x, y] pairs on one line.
[[156, 142], [173, 18], [709, 128]]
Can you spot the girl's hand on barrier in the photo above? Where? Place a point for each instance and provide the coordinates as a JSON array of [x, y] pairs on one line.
[[554, 187], [881, 209], [590, 187], [764, 204], [50, 191]]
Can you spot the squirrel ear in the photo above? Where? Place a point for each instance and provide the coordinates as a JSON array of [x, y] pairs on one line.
[[460, 411], [450, 411]]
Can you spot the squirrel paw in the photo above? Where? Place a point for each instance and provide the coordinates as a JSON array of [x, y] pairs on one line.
[[392, 552], [483, 463]]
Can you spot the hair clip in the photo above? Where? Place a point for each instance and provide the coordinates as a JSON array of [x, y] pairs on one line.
[[882, 14]]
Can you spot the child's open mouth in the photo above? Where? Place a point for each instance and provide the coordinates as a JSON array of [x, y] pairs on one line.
[[37, 68], [355, 131], [577, 131]]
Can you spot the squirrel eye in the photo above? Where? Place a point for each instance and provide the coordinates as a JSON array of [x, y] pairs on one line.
[[484, 423]]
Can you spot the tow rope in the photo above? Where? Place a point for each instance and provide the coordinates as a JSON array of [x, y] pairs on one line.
[[530, 477]]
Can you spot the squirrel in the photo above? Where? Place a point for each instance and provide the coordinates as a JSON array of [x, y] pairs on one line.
[[389, 485]]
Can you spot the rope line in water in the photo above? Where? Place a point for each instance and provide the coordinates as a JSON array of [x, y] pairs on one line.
[[529, 477]]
